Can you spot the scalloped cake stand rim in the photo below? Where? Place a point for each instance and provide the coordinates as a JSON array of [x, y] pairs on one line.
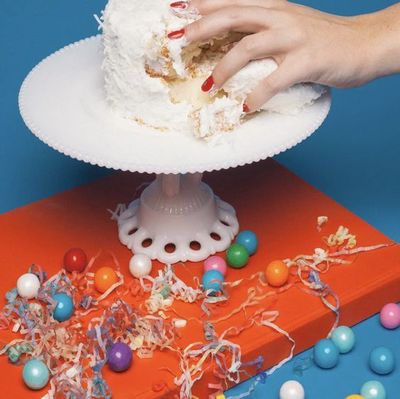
[[62, 101]]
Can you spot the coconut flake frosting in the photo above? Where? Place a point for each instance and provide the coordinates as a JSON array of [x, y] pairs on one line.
[[156, 81]]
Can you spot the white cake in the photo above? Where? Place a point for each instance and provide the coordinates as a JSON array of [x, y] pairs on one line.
[[156, 81]]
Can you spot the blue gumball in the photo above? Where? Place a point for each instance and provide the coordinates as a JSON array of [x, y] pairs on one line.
[[343, 337], [64, 308], [373, 390], [212, 280], [249, 240], [381, 360], [326, 354], [35, 374]]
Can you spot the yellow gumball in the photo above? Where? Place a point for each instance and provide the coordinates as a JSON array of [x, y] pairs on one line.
[[355, 397]]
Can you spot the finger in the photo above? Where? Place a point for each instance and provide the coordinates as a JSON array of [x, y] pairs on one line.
[[252, 47], [205, 7], [231, 19], [282, 78]]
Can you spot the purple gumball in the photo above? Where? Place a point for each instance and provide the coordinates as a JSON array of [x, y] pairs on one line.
[[119, 357]]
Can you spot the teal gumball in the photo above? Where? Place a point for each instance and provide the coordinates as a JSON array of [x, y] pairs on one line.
[[373, 390], [249, 240], [35, 374], [381, 360], [64, 308], [326, 354], [212, 280], [343, 337]]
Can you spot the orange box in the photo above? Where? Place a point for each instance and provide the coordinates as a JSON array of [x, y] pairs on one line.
[[281, 208]]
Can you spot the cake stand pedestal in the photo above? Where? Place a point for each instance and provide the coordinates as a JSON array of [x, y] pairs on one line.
[[177, 217]]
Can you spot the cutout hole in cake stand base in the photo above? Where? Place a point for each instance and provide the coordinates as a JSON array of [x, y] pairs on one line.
[[178, 218]]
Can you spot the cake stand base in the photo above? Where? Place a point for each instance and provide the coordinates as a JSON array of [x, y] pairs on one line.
[[178, 218]]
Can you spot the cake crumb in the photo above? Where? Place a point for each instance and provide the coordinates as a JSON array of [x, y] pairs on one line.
[[321, 221]]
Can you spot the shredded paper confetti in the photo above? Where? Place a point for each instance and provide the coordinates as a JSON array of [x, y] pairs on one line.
[[75, 351]]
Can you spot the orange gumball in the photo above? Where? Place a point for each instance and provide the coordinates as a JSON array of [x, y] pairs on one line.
[[104, 278], [277, 273]]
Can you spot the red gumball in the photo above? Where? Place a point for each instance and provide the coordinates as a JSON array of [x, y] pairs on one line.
[[75, 260]]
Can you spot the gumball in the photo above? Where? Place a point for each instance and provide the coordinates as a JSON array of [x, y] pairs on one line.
[[291, 390], [119, 357], [390, 316], [75, 260], [28, 286], [104, 278], [381, 360], [277, 273], [249, 240], [355, 396], [64, 308], [237, 256], [140, 265], [373, 390], [343, 337], [35, 374], [326, 354], [215, 263], [212, 280]]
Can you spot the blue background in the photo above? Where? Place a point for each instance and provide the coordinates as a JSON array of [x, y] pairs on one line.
[[353, 157]]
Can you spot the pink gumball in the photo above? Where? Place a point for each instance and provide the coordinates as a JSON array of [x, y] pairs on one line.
[[215, 263], [390, 316]]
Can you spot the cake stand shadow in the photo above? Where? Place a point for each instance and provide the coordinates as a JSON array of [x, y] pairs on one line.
[[178, 217]]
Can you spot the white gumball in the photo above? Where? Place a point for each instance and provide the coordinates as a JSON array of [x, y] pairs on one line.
[[291, 390], [140, 265], [28, 286]]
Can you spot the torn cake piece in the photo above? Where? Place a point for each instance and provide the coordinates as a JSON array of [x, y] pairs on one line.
[[156, 81]]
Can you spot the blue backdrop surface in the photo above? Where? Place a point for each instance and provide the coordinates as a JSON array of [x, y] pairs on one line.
[[353, 157]]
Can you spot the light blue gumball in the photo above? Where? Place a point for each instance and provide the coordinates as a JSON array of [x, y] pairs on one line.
[[249, 240], [373, 390], [35, 374], [64, 308], [212, 280], [326, 354], [343, 337], [381, 360]]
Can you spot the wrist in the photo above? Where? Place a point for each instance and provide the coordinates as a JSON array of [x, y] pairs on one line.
[[381, 49]]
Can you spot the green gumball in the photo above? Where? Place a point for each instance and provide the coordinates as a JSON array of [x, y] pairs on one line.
[[237, 256]]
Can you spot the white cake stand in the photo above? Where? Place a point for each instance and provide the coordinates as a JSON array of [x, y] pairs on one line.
[[177, 218]]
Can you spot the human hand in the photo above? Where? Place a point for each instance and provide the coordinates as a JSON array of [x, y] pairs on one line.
[[308, 45]]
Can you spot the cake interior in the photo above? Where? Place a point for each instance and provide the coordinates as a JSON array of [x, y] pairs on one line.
[[199, 61]]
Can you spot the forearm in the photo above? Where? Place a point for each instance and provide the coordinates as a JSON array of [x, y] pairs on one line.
[[383, 46]]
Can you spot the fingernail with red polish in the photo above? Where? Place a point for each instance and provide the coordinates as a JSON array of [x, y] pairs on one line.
[[176, 34], [208, 84], [246, 108], [181, 5]]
